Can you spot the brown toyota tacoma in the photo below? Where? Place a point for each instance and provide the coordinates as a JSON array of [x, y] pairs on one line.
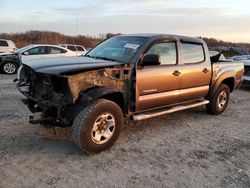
[[131, 77]]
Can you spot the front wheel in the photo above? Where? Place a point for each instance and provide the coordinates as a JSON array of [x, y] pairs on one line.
[[9, 68], [219, 101], [97, 126]]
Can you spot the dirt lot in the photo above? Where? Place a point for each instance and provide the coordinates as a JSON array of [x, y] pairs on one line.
[[185, 149]]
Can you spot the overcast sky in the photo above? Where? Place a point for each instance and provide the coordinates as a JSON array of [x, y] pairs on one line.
[[223, 19]]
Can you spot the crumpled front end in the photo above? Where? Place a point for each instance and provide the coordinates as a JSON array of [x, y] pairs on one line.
[[46, 94], [59, 97]]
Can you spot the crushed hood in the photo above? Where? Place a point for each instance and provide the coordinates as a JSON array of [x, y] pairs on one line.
[[68, 65]]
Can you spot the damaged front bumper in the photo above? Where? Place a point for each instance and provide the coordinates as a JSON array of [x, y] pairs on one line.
[[46, 97], [43, 112]]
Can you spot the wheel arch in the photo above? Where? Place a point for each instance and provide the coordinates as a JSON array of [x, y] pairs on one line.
[[227, 78], [7, 61], [230, 82], [91, 94], [108, 93]]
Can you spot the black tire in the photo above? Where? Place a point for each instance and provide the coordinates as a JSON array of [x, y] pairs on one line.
[[214, 107], [12, 67], [85, 120]]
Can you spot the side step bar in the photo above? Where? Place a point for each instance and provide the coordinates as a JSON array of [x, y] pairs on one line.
[[168, 111]]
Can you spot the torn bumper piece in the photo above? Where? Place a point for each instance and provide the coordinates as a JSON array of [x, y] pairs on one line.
[[38, 118]]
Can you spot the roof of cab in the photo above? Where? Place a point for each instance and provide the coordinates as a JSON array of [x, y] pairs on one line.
[[159, 35]]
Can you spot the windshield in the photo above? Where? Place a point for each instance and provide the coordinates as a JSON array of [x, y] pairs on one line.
[[23, 48], [120, 49]]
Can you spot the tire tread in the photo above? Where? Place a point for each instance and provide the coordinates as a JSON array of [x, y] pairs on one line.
[[81, 119]]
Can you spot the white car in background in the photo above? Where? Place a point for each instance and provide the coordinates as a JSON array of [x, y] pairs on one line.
[[7, 46], [9, 62], [42, 51], [80, 50], [240, 57]]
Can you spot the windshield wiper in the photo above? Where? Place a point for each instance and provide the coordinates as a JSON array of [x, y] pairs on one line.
[[97, 57], [105, 58], [89, 56]]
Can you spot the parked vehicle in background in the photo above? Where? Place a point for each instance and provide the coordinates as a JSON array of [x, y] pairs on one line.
[[80, 50], [7, 46], [88, 49], [9, 62], [240, 57], [126, 76], [245, 59], [246, 77]]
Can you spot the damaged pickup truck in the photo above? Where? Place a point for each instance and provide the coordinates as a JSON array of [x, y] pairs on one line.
[[128, 76]]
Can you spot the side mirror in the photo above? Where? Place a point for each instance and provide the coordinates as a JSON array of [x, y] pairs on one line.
[[151, 59], [25, 53]]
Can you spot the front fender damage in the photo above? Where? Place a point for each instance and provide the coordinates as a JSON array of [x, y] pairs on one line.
[[88, 86], [110, 77], [72, 92]]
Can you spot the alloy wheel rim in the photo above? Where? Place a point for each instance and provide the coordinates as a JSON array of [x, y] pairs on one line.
[[9, 68], [103, 128], [222, 99]]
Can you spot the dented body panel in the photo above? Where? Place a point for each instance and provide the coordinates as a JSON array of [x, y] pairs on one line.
[[115, 78]]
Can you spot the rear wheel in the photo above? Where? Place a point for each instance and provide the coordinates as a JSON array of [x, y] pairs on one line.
[[9, 68], [97, 126], [219, 101]]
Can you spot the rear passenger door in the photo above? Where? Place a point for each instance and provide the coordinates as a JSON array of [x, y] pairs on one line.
[[158, 85], [196, 75]]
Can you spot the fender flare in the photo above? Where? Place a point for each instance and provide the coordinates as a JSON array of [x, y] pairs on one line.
[[97, 92], [221, 78]]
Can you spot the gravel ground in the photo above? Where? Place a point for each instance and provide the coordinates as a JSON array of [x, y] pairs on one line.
[[184, 149]]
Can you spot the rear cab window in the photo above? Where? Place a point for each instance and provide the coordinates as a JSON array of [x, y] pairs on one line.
[[192, 53]]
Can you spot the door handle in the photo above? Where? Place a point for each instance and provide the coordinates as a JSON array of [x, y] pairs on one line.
[[205, 70], [176, 73]]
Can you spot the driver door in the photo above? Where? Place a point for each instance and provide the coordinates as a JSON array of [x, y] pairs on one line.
[[159, 85]]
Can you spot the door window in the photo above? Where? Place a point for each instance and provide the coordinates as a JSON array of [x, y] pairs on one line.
[[3, 43], [192, 53], [167, 52], [79, 48], [54, 50], [72, 48], [37, 50]]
